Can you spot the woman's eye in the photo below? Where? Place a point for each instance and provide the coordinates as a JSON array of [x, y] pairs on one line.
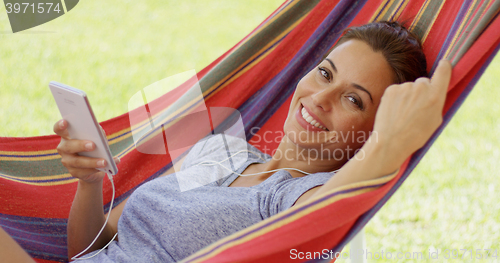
[[324, 73], [356, 102]]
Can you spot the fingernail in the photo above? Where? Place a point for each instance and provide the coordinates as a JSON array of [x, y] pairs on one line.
[[61, 124], [88, 146], [100, 163]]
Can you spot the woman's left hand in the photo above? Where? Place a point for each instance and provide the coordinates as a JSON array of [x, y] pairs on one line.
[[409, 113]]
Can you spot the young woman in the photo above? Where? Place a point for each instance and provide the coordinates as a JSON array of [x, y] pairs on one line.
[[369, 99]]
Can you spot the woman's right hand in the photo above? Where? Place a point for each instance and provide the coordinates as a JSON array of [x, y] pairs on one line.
[[409, 113], [81, 167]]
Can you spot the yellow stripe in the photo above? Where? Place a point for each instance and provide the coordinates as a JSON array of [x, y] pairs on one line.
[[290, 219], [38, 178], [33, 180], [278, 14], [31, 158], [113, 139], [400, 10], [419, 14], [22, 156], [380, 8], [398, 7]]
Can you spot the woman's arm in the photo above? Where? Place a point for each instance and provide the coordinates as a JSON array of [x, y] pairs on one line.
[[87, 216], [407, 117], [10, 251]]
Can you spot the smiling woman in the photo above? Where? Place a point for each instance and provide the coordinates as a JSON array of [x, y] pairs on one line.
[[342, 94], [333, 95], [353, 89]]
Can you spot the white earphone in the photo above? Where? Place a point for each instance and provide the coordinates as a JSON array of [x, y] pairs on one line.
[[210, 163]]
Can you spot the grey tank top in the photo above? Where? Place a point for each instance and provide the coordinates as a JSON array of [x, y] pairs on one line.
[[171, 217]]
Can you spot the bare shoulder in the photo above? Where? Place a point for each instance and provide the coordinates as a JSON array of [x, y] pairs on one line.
[[306, 195]]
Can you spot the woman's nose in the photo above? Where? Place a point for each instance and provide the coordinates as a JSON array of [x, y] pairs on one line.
[[323, 98]]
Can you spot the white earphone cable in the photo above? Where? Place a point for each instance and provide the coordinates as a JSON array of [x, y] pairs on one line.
[[205, 163], [211, 163], [105, 222]]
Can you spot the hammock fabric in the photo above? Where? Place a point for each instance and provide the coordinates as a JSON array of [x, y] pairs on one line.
[[257, 77]]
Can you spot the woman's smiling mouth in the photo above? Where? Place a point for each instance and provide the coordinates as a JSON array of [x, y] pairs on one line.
[[307, 121]]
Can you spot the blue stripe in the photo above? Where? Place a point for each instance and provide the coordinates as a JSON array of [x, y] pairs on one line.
[[28, 156], [34, 220], [32, 233], [17, 238]]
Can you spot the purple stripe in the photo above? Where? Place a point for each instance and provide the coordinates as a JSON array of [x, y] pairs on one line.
[[453, 30], [37, 234], [119, 136], [30, 156], [33, 220], [399, 7], [32, 233], [381, 10], [45, 244], [418, 13]]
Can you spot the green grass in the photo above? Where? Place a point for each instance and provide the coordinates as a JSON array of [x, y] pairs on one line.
[[112, 49]]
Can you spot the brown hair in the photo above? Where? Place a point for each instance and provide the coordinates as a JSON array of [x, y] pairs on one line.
[[401, 48]]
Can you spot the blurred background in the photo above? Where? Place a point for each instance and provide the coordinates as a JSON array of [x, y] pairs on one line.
[[112, 49]]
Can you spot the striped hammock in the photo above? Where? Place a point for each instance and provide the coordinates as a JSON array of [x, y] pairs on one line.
[[257, 77]]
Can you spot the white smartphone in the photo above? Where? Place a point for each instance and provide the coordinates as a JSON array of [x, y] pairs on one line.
[[82, 124]]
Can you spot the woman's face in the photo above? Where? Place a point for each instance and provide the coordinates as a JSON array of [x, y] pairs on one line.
[[340, 96]]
